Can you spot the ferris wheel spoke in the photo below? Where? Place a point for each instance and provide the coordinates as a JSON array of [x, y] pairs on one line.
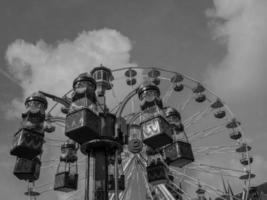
[[142, 159], [171, 185], [48, 166], [130, 173], [47, 190], [164, 78], [218, 167], [219, 173], [205, 135], [73, 195], [54, 139], [196, 182], [208, 190], [129, 181], [161, 188], [52, 119], [187, 101], [43, 185], [214, 152], [185, 194], [127, 167], [58, 122], [197, 116], [149, 192], [229, 111], [126, 162], [134, 117], [114, 109], [82, 160], [128, 177], [206, 131], [142, 165], [60, 125], [213, 192], [114, 94], [167, 95], [49, 161], [58, 100], [126, 194], [182, 177], [52, 144], [218, 148], [147, 185], [191, 118], [129, 116]]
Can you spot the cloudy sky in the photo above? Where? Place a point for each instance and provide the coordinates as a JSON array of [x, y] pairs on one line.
[[45, 44]]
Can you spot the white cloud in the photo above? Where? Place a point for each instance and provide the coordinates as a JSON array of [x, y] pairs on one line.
[[52, 67], [241, 25], [240, 76]]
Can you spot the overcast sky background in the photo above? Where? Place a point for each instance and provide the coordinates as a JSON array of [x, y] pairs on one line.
[[45, 44]]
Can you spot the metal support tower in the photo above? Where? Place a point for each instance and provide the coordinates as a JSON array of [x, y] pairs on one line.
[[97, 174], [97, 165]]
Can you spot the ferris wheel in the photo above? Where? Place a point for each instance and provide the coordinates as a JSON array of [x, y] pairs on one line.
[[132, 133]]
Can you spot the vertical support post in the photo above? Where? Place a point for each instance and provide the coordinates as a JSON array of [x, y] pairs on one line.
[[96, 175], [116, 175], [245, 194], [101, 175], [86, 194]]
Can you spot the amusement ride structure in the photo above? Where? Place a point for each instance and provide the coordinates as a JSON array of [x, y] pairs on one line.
[[135, 130]]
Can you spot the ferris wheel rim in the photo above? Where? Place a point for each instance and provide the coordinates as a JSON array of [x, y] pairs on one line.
[[207, 89], [191, 79]]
